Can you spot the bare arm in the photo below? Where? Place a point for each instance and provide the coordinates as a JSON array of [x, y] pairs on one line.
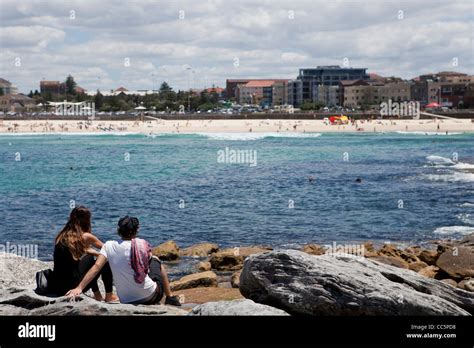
[[101, 261], [92, 240]]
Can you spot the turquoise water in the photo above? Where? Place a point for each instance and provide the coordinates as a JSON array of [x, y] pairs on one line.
[[237, 204]]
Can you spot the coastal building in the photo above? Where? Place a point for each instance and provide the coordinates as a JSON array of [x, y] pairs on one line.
[[263, 92], [53, 87], [355, 93], [6, 87], [362, 93], [79, 90], [328, 95], [303, 88], [447, 88], [231, 89], [217, 90], [123, 91], [16, 103]]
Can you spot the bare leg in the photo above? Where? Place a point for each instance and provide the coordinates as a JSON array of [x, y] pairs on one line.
[[98, 296], [166, 282]]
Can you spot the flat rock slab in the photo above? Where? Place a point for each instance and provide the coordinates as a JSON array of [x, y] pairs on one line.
[[195, 280], [300, 283], [17, 271], [236, 307], [17, 301], [203, 295]]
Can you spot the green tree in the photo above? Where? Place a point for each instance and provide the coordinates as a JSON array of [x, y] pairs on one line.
[[98, 100], [207, 106], [70, 85], [166, 93]]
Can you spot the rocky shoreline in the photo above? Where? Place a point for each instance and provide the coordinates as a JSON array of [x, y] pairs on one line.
[[257, 280]]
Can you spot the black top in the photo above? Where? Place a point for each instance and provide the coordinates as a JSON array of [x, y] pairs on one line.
[[66, 275]]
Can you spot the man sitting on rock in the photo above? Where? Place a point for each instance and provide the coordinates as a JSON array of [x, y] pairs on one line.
[[139, 276]]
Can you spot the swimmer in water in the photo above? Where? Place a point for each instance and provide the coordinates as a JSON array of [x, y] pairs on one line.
[[310, 178], [358, 180]]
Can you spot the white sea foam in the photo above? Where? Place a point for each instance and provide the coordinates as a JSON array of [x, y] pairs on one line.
[[439, 160], [466, 218], [444, 162], [451, 177], [467, 204], [462, 165], [448, 230], [256, 136], [428, 133], [27, 134]]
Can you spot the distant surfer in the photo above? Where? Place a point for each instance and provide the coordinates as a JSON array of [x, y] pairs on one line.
[[311, 178], [358, 180]]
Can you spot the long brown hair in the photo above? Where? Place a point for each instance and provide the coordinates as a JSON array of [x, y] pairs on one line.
[[71, 235]]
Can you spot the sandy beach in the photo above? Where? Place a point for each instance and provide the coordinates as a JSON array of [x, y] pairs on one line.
[[158, 126]]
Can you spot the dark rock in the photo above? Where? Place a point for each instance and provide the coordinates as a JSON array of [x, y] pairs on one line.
[[346, 285]]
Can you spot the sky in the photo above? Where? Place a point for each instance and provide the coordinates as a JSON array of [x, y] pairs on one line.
[[138, 44]]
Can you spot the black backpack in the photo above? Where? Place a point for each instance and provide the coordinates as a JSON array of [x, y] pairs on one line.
[[42, 280]]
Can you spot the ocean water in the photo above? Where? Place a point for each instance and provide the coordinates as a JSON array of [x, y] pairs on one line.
[[414, 188]]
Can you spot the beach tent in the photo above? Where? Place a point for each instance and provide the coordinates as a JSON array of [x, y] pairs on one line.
[[339, 119]]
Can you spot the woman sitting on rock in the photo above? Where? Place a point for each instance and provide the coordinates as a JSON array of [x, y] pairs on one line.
[[139, 276], [74, 255]]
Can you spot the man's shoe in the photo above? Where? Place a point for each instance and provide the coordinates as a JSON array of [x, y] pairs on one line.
[[172, 300]]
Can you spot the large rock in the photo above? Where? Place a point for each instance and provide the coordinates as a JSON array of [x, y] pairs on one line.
[[346, 285], [391, 260], [314, 249], [429, 256], [232, 259], [390, 251], [235, 279], [429, 272], [467, 241], [449, 282], [236, 307], [21, 301], [195, 280], [467, 284], [199, 250], [168, 251], [204, 266], [417, 266], [458, 262], [17, 271]]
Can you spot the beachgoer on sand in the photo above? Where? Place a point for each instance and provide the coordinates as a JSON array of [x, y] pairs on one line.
[[139, 277]]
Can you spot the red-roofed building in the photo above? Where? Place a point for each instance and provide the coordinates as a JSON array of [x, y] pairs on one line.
[[121, 89], [79, 90], [263, 92], [217, 90], [232, 84]]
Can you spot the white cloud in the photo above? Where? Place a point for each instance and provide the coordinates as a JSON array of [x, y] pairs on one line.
[[267, 40]]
